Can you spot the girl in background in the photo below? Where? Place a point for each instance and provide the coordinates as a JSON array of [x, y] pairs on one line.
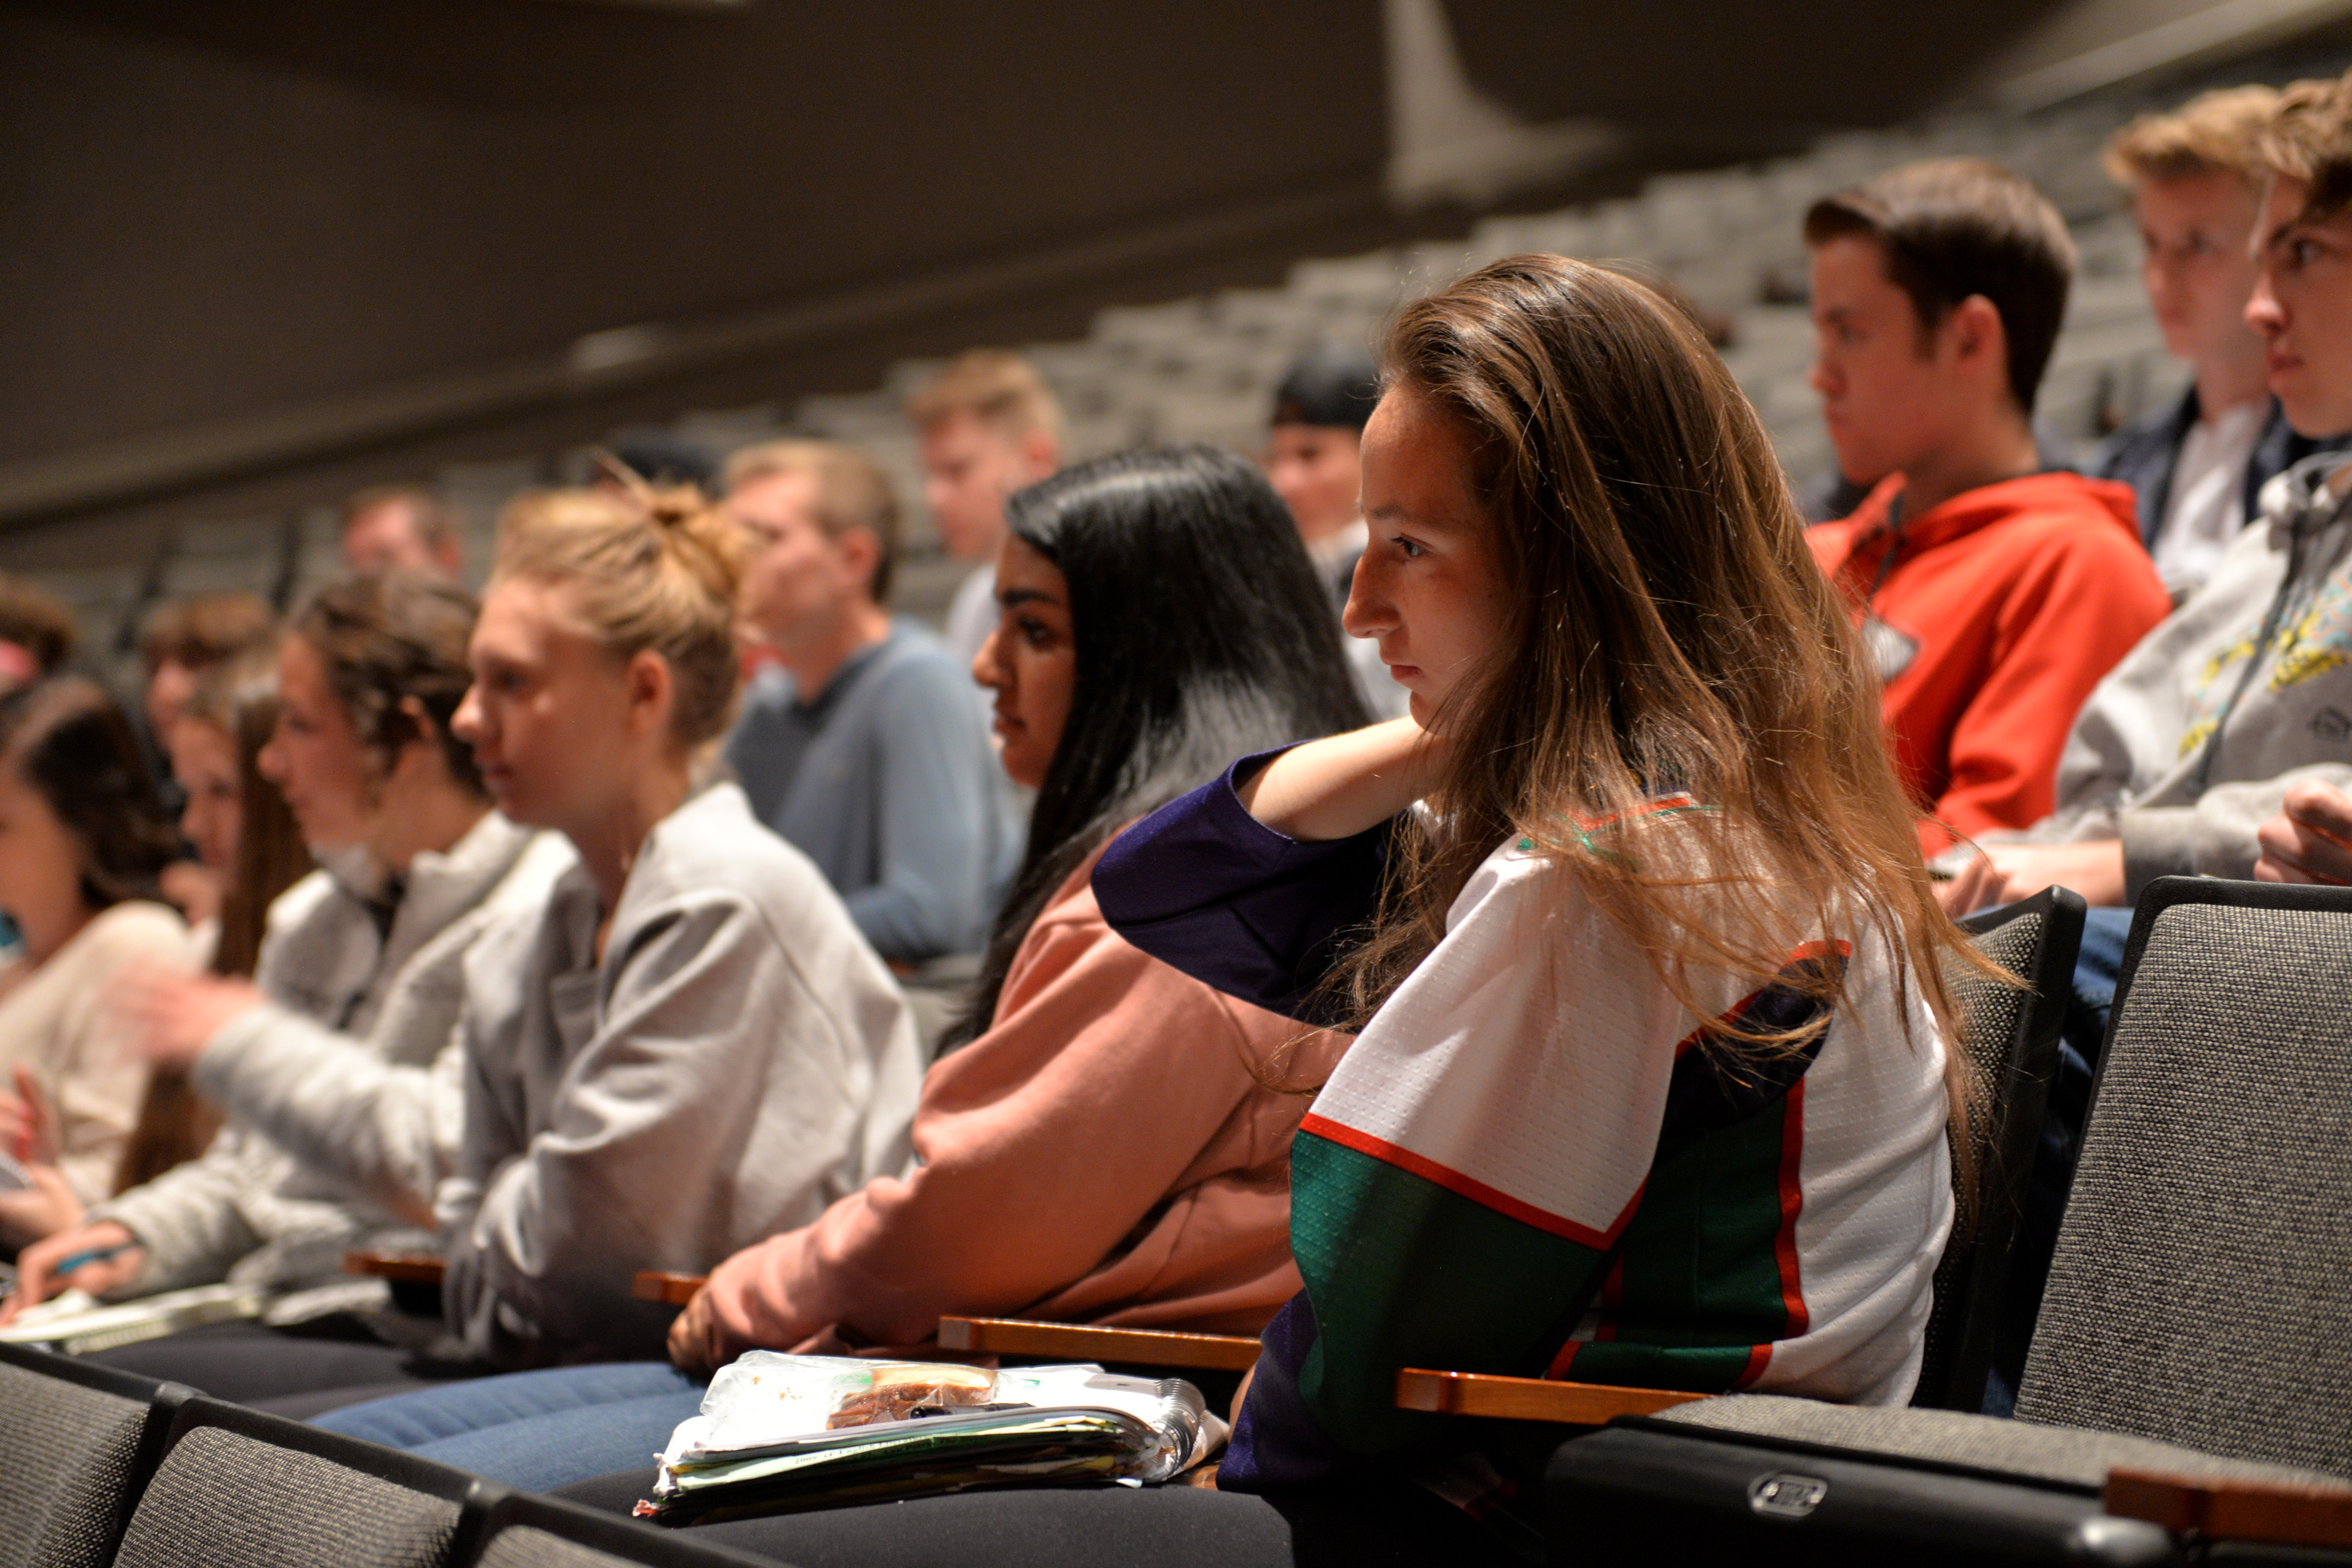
[[83, 838], [689, 1047], [246, 836]]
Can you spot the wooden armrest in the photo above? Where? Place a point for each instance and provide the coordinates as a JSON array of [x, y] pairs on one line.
[[2233, 1510], [677, 1290], [400, 1267], [1529, 1398], [1151, 1347]]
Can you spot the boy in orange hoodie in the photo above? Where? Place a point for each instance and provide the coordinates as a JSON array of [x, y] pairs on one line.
[[1994, 595]]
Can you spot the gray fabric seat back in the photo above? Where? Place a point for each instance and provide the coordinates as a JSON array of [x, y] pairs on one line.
[[526, 1546], [70, 1457], [528, 1530], [2009, 1036], [2199, 1293], [225, 1500]]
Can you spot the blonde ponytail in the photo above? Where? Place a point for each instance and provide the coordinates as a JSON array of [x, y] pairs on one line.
[[653, 569]]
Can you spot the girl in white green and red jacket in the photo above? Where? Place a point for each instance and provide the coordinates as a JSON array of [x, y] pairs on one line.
[[1651, 1085]]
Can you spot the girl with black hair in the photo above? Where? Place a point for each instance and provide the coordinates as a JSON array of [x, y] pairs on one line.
[[1104, 1144], [83, 836]]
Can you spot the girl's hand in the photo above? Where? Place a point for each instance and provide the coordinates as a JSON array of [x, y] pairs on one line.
[[694, 1346], [2004, 873], [29, 1122], [170, 1014], [46, 1208], [36, 1283], [1338, 787]]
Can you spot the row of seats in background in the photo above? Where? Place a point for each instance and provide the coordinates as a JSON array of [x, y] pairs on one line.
[[2183, 1404], [1204, 369]]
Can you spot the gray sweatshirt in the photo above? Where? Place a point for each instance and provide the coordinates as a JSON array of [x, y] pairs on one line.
[[2189, 745], [739, 1059], [341, 1094]]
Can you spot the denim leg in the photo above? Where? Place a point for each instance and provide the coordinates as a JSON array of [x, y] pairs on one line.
[[543, 1452], [433, 1414], [2084, 1030]]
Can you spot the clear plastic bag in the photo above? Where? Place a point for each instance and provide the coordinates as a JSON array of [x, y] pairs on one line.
[[778, 1431]]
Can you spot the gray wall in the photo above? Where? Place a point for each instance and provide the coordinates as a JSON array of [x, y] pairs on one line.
[[217, 214]]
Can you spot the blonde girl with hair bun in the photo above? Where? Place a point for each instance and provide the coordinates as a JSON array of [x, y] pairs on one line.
[[691, 1048]]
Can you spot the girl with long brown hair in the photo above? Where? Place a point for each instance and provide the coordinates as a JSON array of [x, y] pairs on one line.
[[1649, 1086], [247, 838]]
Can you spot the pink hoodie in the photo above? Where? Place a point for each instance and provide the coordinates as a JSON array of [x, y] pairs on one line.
[[1102, 1155]]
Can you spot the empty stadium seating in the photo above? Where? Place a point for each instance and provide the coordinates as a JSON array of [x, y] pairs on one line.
[[1203, 369]]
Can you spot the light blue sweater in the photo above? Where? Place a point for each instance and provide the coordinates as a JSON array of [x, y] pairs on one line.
[[888, 783]]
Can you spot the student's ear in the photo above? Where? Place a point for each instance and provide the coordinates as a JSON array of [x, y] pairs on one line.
[[861, 555], [424, 735], [1977, 336], [1041, 454], [652, 691]]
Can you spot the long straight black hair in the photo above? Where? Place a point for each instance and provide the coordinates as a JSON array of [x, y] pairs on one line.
[[1201, 633]]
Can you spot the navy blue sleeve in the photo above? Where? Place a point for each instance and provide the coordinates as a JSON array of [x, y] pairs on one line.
[[1278, 1442], [1206, 888]]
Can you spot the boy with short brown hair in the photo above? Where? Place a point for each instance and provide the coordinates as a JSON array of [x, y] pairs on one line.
[[1993, 594]]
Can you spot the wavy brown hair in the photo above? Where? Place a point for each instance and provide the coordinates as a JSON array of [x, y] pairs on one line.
[[239, 699], [1670, 632]]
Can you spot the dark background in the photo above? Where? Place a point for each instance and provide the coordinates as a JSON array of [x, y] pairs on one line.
[[224, 211]]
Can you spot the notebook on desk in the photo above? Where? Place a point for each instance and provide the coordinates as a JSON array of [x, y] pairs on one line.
[[76, 1323]]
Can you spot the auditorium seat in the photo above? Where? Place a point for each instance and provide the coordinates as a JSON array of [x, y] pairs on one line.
[[238, 1489], [2195, 1323], [525, 1531], [80, 1442], [2011, 1037]]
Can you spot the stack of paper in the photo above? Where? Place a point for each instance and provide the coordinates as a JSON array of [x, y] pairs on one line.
[[779, 1433]]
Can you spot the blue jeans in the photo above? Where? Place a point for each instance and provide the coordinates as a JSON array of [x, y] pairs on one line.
[[2096, 968], [538, 1430]]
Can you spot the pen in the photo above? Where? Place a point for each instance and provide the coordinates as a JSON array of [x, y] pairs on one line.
[[73, 1260]]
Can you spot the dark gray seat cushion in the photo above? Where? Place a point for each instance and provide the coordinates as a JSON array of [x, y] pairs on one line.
[[524, 1546], [222, 1500], [69, 1455]]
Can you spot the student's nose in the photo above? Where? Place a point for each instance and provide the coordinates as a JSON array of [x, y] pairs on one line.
[[984, 667], [2263, 312], [1368, 611], [467, 722]]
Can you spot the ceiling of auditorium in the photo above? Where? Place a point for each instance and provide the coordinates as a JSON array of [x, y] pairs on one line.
[[215, 211]]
